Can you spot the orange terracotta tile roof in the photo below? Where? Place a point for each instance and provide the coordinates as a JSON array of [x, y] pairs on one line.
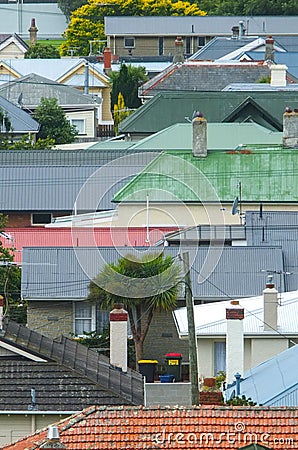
[[198, 428]]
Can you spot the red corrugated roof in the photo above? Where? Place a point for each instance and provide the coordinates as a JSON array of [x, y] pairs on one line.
[[80, 237], [205, 427]]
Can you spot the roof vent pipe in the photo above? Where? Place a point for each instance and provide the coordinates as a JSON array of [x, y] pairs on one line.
[[53, 432], [241, 29]]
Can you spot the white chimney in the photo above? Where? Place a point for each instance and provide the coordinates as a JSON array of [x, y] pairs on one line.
[[118, 337], [234, 341], [270, 306], [290, 128], [199, 135], [278, 75]]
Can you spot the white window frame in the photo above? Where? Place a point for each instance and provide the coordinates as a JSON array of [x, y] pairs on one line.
[[72, 122], [41, 223], [129, 38], [91, 318]]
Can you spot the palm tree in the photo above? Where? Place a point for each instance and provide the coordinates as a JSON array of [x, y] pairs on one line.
[[143, 285]]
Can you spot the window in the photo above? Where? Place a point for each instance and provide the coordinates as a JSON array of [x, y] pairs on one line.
[[219, 357], [160, 46], [79, 124], [201, 41], [188, 45], [41, 218], [129, 42], [84, 318]]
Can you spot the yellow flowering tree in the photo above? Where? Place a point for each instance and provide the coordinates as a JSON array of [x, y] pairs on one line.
[[120, 111], [87, 22]]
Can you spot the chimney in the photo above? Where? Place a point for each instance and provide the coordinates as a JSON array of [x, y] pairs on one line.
[[269, 49], [290, 128], [118, 337], [199, 135], [107, 60], [241, 29], [53, 440], [234, 341], [270, 306], [278, 75], [33, 33], [179, 50]]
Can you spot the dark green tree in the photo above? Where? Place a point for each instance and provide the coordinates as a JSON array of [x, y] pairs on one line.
[[68, 6], [42, 51], [127, 82], [53, 122], [143, 285], [250, 7]]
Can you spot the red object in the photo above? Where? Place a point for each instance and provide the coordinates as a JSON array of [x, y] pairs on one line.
[[235, 313], [174, 355], [82, 237]]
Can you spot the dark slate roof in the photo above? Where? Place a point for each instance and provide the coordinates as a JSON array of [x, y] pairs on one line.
[[168, 108], [64, 273], [21, 121], [33, 87], [200, 76], [71, 378], [220, 46], [289, 43], [57, 388], [277, 228], [50, 180]]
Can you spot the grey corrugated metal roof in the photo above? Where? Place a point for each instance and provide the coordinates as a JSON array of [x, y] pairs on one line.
[[290, 59], [21, 121], [54, 183], [201, 26], [282, 371], [277, 228], [66, 272], [210, 318], [53, 69], [219, 47], [33, 87]]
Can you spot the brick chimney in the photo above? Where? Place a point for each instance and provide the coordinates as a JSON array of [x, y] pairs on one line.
[[234, 341], [179, 50], [33, 33], [53, 440], [269, 49], [199, 135], [278, 75], [290, 128], [118, 337], [270, 306], [107, 60]]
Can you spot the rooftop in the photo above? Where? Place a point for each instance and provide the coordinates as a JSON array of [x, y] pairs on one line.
[[199, 427]]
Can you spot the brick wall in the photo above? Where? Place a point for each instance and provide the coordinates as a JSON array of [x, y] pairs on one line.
[[51, 318], [162, 338], [23, 219]]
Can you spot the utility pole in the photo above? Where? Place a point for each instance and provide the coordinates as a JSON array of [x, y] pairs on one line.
[[192, 339]]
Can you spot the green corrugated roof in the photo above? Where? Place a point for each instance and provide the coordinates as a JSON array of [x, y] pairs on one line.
[[168, 108], [266, 175]]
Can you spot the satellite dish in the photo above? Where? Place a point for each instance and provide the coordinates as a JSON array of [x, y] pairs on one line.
[[235, 206]]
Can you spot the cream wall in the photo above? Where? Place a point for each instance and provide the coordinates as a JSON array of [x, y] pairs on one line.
[[11, 51], [88, 117], [256, 351], [17, 425], [135, 214], [268, 347]]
